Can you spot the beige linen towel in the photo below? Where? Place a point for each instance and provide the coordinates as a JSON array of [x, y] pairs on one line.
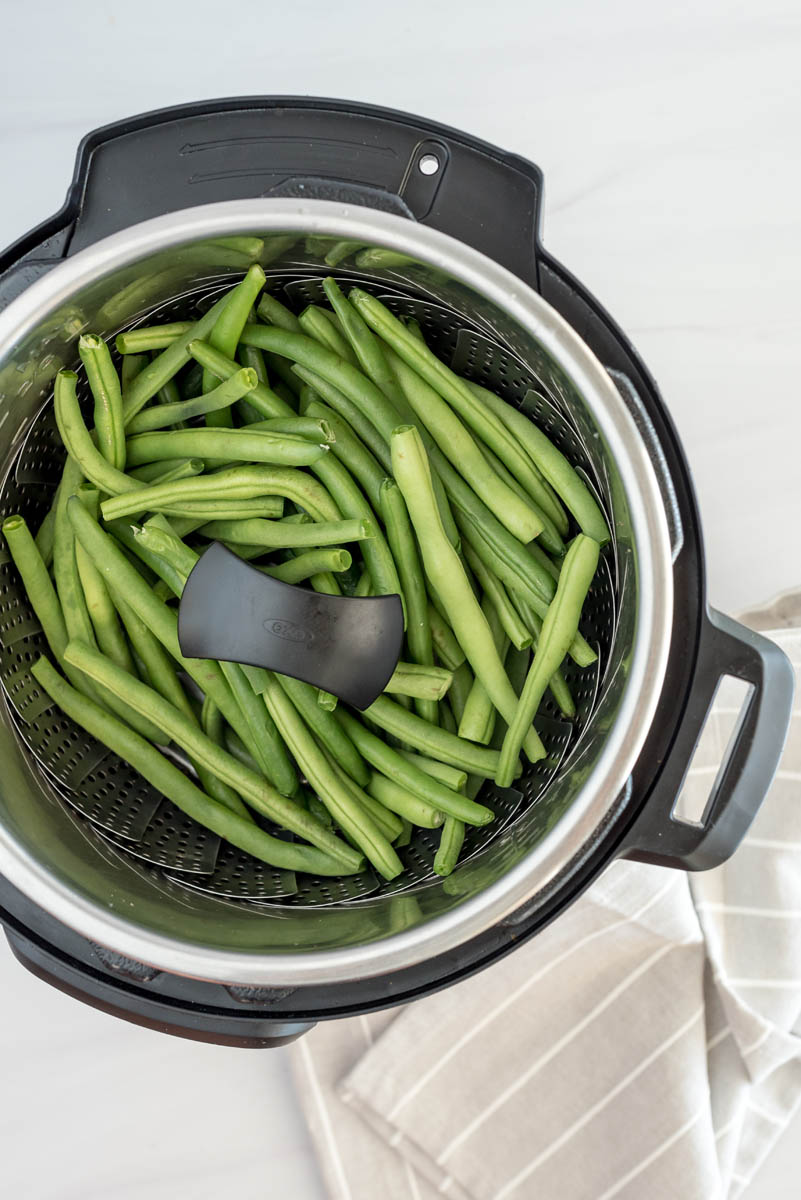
[[642, 1046]]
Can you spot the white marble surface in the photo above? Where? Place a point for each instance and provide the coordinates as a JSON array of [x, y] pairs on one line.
[[669, 139]]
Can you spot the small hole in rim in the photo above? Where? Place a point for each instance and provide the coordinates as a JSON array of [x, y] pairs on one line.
[[428, 164]]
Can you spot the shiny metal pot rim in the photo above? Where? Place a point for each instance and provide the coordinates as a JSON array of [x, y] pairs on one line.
[[608, 777]]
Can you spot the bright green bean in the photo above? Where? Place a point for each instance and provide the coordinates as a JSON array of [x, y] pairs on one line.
[[404, 549], [368, 349], [225, 333], [452, 777], [132, 365], [385, 759], [556, 469], [553, 516], [430, 740], [340, 251], [216, 399], [398, 800], [514, 627], [557, 684], [364, 585], [325, 727], [424, 682], [78, 440], [198, 512], [231, 445], [314, 324], [444, 568], [169, 470], [277, 535], [262, 397], [450, 845], [390, 825], [99, 605], [310, 562], [338, 799], [37, 583], [252, 787], [151, 337], [446, 718], [171, 782], [104, 383], [558, 630], [337, 402], [273, 312], [167, 364], [45, 534], [352, 452], [460, 689], [456, 443], [315, 430], [448, 649], [477, 722]]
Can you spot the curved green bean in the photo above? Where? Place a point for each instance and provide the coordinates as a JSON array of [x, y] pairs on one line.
[[398, 800], [366, 346], [78, 440], [172, 782], [477, 722], [314, 323], [338, 403], [430, 740], [169, 470], [450, 845], [385, 759], [443, 639], [460, 689], [511, 621], [151, 337], [224, 334], [277, 535], [444, 568], [231, 445], [273, 312], [390, 825], [104, 383], [558, 630], [262, 397], [325, 726], [99, 605], [310, 562], [215, 400]]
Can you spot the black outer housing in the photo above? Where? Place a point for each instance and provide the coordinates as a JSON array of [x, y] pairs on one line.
[[330, 149]]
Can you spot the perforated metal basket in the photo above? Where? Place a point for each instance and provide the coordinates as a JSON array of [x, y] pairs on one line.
[[94, 844]]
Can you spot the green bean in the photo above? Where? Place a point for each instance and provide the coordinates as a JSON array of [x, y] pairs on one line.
[[45, 533], [452, 777], [446, 718], [258, 793], [99, 604], [416, 354], [273, 312], [315, 325], [406, 835], [389, 762], [456, 443], [478, 719], [121, 576], [171, 782], [543, 559], [450, 845], [340, 251], [430, 740], [390, 825], [168, 363], [379, 256], [443, 567], [215, 400], [398, 800], [337, 798], [126, 535], [250, 247], [460, 689], [132, 365], [424, 682], [295, 570], [238, 483], [163, 590], [169, 470], [151, 337], [318, 809], [78, 440], [448, 649], [558, 630], [352, 452], [364, 585], [287, 380], [404, 549], [327, 700], [198, 512], [338, 403], [325, 727], [37, 583], [553, 465], [517, 580], [557, 684], [104, 383], [368, 349], [261, 397], [191, 379], [316, 430], [551, 535], [514, 627], [251, 356], [224, 335], [229, 444], [326, 584], [277, 535]]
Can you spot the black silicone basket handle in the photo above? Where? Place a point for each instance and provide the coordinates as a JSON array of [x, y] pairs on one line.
[[726, 648]]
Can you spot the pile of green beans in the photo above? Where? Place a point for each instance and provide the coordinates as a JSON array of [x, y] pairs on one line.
[[334, 450]]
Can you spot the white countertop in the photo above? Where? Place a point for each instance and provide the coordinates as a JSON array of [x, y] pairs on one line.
[[669, 140]]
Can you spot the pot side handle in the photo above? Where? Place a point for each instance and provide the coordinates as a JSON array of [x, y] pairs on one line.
[[658, 835]]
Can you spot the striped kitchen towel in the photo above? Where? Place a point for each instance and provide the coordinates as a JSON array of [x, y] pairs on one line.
[[642, 1046]]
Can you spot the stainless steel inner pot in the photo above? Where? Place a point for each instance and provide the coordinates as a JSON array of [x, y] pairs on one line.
[[167, 265]]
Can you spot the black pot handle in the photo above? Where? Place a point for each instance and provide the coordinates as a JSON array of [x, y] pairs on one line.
[[658, 836]]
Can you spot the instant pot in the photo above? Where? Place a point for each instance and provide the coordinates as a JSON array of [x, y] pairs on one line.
[[110, 893]]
